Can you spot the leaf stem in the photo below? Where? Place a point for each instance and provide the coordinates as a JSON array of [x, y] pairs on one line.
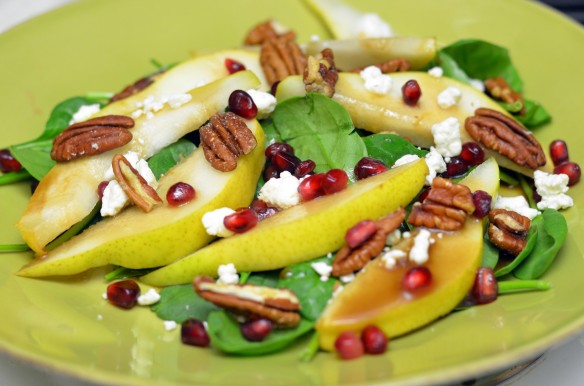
[[14, 248], [527, 191], [243, 276], [509, 286], [508, 178], [9, 178], [311, 350]]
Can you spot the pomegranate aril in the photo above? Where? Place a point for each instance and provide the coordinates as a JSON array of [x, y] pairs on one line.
[[311, 187], [193, 333], [233, 66], [256, 330], [277, 147], [456, 167], [485, 288], [180, 194], [482, 202], [349, 346], [472, 154], [285, 162], [123, 294], [258, 205], [416, 278], [101, 188], [335, 180], [374, 340], [367, 167], [241, 221], [411, 92], [571, 169], [304, 168], [559, 152], [265, 213], [242, 104], [360, 232], [270, 172], [8, 163]]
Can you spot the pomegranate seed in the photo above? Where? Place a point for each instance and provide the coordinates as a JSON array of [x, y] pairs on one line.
[[277, 147], [472, 154], [360, 232], [256, 330], [423, 195], [180, 194], [349, 346], [270, 172], [123, 294], [367, 167], [411, 92], [258, 205], [416, 278], [241, 221], [233, 65], [242, 104], [8, 163], [274, 88], [485, 288], [285, 162], [374, 340], [571, 169], [482, 202], [559, 152], [101, 188], [193, 333], [311, 187], [335, 180], [456, 167], [304, 168], [268, 212]]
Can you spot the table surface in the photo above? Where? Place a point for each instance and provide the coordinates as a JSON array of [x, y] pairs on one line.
[[560, 366]]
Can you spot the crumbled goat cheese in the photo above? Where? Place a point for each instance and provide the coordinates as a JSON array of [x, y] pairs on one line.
[[552, 189], [517, 204], [213, 222], [406, 235], [406, 159], [447, 137], [375, 81], [153, 104], [449, 97], [169, 325], [177, 100], [227, 274], [323, 269], [149, 298], [84, 113], [436, 72], [281, 192], [393, 238], [264, 101], [391, 257], [347, 278], [370, 25], [477, 84], [435, 164], [419, 252]]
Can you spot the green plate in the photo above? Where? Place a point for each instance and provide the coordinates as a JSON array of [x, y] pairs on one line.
[[103, 45]]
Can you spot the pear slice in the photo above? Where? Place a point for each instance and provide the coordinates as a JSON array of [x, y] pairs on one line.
[[376, 297], [303, 232], [69, 191], [135, 239]]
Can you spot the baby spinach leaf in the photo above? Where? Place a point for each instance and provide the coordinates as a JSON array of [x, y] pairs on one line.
[[266, 278], [490, 253], [181, 302], [169, 156], [531, 242], [535, 114], [225, 334], [389, 148]]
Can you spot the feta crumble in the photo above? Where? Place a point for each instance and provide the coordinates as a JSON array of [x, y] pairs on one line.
[[213, 222], [323, 269], [375, 81], [449, 97], [390, 258], [153, 104], [84, 113], [552, 189], [264, 101], [436, 72], [149, 298], [347, 278], [227, 274], [406, 159], [517, 204], [370, 25], [169, 325], [419, 252], [447, 137], [435, 164], [281, 192], [393, 238]]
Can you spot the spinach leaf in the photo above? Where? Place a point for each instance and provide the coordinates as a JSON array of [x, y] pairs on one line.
[[226, 335], [535, 114], [181, 302], [531, 242], [266, 278], [551, 236], [389, 148], [490, 253], [124, 273], [319, 129], [169, 156]]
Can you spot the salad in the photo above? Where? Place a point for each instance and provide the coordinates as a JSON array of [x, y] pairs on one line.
[[350, 155]]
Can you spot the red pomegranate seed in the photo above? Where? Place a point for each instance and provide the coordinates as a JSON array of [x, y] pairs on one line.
[[180, 194], [335, 180], [242, 104], [265, 213], [233, 65], [241, 221], [485, 288], [285, 162], [456, 167], [270, 172], [123, 294], [304, 168], [101, 188], [423, 195], [349, 346], [571, 169], [256, 330], [411, 92], [374, 340], [416, 278], [360, 232], [559, 152], [311, 187], [277, 147], [258, 205], [367, 167], [193, 333], [472, 154], [8, 163], [482, 202]]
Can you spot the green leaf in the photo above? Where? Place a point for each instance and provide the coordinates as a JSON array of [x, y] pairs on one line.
[[490, 253], [169, 156], [181, 302], [8, 248], [124, 273], [389, 148], [535, 114], [265, 279], [75, 229], [225, 334], [11, 177], [531, 242]]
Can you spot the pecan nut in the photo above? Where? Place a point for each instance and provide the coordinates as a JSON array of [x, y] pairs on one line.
[[279, 305], [393, 65], [320, 73], [224, 138], [447, 193], [281, 57], [349, 260], [505, 135], [135, 87], [508, 230], [499, 89], [92, 137], [260, 33], [134, 185]]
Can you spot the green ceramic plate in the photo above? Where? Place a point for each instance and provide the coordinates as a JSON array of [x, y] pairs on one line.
[[103, 45]]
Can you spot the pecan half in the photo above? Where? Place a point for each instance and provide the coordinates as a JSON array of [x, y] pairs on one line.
[[349, 260], [499, 89], [224, 138], [447, 193], [94, 136], [508, 230], [393, 65], [505, 135], [279, 305], [320, 73], [260, 33], [135, 87], [281, 57], [134, 185]]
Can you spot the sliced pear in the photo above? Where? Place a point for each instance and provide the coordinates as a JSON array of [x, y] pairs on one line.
[[376, 296], [68, 192], [135, 239], [302, 232]]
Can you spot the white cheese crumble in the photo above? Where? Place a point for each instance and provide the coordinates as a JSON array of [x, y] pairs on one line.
[[436, 72], [169, 325], [406, 159], [153, 104], [516, 204], [449, 97], [281, 192], [419, 252], [213, 222], [347, 278], [447, 137], [149, 298], [435, 164], [390, 258], [393, 238], [370, 25], [323, 269], [84, 113], [264, 101], [375, 81], [552, 188], [227, 274]]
